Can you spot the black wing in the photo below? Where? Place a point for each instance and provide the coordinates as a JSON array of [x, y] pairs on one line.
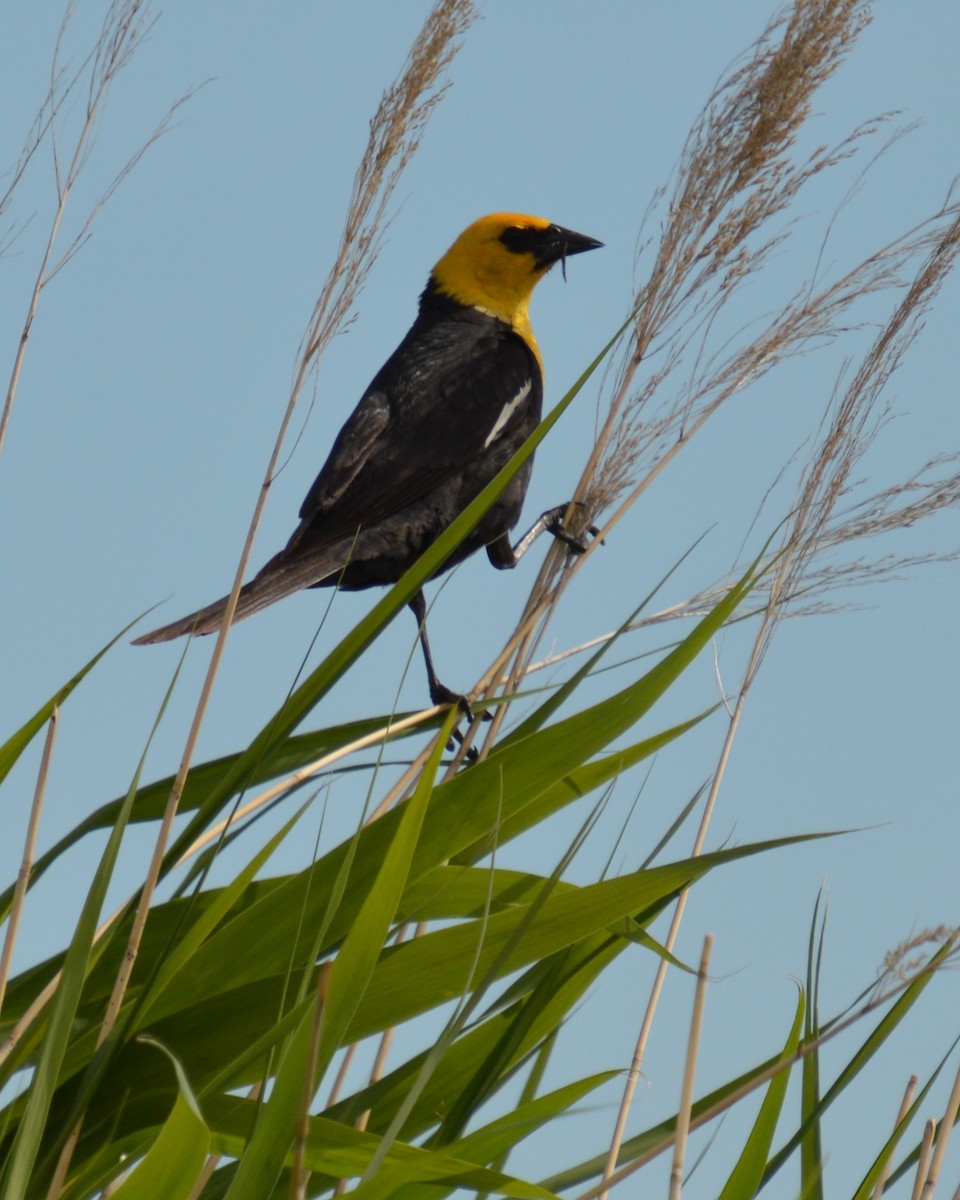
[[443, 402]]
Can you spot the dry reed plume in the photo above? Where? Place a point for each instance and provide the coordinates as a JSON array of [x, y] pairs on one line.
[[125, 27], [395, 133], [736, 184]]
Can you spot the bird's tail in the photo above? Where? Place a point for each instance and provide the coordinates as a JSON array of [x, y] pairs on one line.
[[279, 577]]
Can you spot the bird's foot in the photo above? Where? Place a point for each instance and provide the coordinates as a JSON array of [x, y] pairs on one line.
[[440, 694], [553, 523]]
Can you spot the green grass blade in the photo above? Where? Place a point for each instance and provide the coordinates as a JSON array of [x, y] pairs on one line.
[[554, 787], [189, 941], [581, 967], [253, 945], [811, 1147], [746, 1177], [172, 1165], [441, 963], [354, 965], [467, 810], [873, 1042], [266, 1151], [15, 745], [263, 1159], [60, 1018], [531, 1089], [334, 1151], [498, 1136], [204, 778], [481, 1147]]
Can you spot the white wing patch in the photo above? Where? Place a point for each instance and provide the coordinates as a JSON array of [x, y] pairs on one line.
[[507, 412]]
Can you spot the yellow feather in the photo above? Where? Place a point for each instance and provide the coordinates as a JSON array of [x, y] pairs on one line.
[[479, 271]]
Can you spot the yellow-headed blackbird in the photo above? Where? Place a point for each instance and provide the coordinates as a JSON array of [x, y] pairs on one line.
[[447, 410]]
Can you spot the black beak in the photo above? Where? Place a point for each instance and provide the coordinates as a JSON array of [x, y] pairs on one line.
[[557, 244]]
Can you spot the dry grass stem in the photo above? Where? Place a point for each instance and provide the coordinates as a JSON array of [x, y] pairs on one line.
[[736, 178], [42, 999], [408, 780], [824, 482], [299, 1174], [205, 1176], [646, 1026], [63, 1162], [376, 1071], [341, 1077], [783, 1063], [29, 850], [113, 1186], [731, 182], [124, 29], [689, 1072], [380, 1062], [905, 1103], [734, 715], [947, 1122], [733, 724], [394, 135], [923, 1161], [214, 1160]]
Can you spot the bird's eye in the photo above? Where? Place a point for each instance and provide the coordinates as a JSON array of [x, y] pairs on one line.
[[520, 239]]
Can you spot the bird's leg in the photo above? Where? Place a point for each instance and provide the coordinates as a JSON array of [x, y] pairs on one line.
[[503, 555], [439, 693]]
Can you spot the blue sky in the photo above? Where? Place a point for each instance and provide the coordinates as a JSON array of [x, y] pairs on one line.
[[161, 361]]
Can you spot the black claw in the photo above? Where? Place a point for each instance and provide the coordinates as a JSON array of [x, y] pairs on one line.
[[555, 525], [471, 754], [575, 544], [440, 694]]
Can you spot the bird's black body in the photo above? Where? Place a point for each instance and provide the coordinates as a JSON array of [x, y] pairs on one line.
[[421, 445], [448, 409]]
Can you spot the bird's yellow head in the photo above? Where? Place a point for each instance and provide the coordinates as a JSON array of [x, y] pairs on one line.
[[496, 262]]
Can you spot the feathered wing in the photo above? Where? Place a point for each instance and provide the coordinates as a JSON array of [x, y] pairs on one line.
[[428, 417], [281, 576], [297, 566], [447, 393]]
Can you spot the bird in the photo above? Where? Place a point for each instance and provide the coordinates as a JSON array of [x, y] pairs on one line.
[[442, 416]]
